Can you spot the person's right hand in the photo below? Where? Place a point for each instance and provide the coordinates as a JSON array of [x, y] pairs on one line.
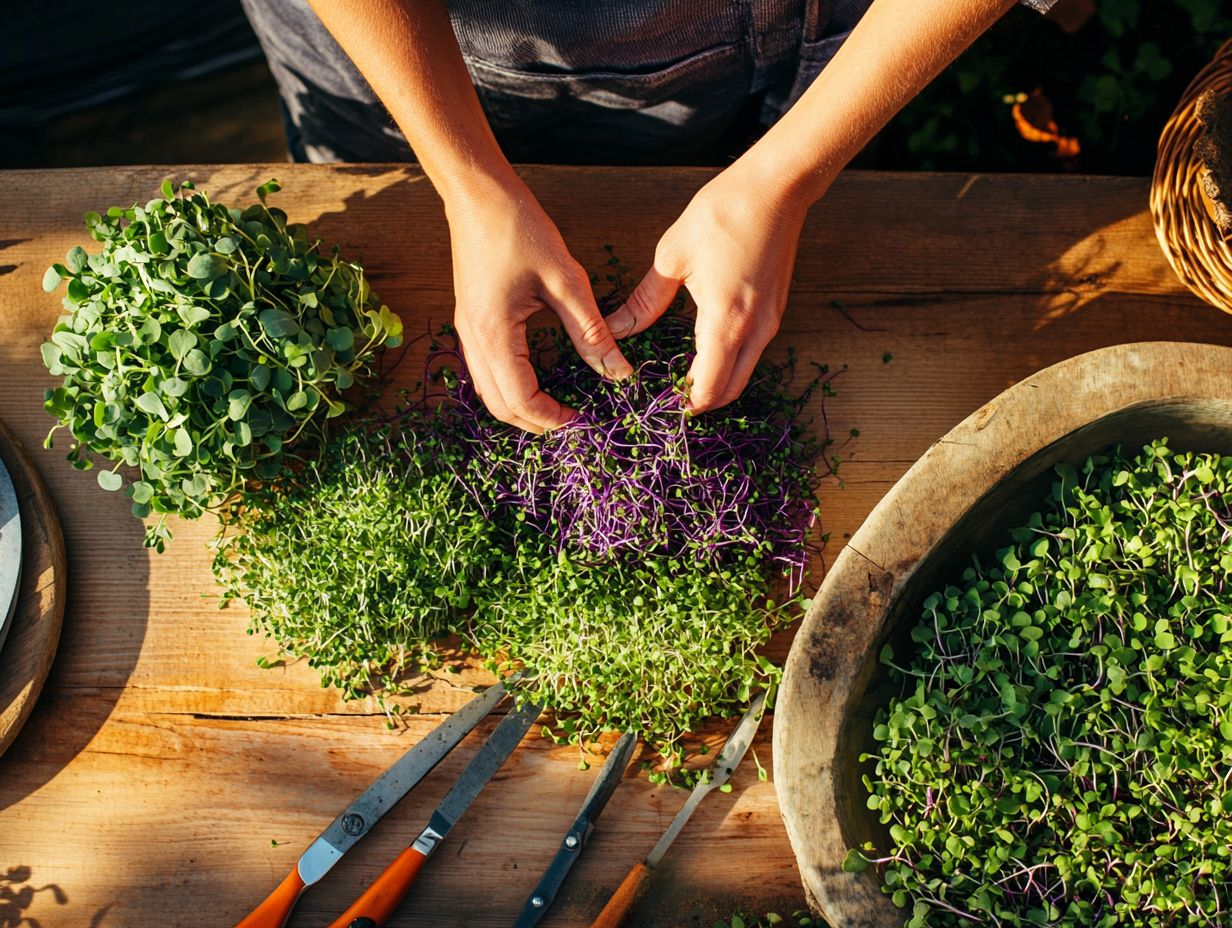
[[509, 262]]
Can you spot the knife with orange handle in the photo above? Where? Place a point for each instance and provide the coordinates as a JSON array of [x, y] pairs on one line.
[[381, 898], [358, 818], [638, 878]]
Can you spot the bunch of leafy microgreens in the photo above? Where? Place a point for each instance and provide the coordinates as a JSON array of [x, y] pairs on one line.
[[631, 564], [1060, 755], [201, 342]]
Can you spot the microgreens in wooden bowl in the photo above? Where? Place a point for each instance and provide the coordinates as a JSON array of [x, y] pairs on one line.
[[1004, 775]]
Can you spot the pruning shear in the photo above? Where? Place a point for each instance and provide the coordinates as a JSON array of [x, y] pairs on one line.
[[381, 898]]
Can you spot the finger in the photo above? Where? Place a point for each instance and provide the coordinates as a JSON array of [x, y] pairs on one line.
[[489, 388], [746, 362], [574, 303], [718, 346], [507, 357], [648, 301]]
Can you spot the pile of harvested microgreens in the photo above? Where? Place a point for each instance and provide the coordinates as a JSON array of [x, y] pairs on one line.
[[630, 564], [1061, 751], [198, 342]]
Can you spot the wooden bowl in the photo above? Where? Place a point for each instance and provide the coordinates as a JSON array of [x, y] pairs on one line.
[[984, 477], [1191, 241]]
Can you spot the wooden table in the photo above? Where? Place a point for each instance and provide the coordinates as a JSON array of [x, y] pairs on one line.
[[165, 779]]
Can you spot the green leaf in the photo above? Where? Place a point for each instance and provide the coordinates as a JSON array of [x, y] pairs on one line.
[[340, 339], [109, 480], [150, 403], [278, 323], [206, 266], [196, 363], [183, 442], [855, 862], [51, 279], [180, 342]]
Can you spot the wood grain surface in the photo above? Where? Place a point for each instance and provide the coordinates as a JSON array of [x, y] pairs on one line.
[[35, 630], [165, 776]]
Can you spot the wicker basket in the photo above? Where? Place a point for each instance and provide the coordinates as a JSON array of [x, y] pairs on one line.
[[1186, 231]]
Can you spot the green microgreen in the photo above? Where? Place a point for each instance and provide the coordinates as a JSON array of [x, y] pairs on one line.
[[1060, 753], [199, 344]]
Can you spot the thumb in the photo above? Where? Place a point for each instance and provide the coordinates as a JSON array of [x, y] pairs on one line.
[[645, 304], [576, 307]]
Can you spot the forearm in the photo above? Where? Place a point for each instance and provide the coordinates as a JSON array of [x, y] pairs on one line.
[[408, 53], [890, 56]]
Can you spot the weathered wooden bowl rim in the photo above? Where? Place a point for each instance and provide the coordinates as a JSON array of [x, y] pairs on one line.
[[828, 670]]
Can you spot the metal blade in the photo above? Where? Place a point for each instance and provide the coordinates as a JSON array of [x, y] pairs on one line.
[[475, 777], [729, 758], [385, 791], [10, 551], [579, 832]]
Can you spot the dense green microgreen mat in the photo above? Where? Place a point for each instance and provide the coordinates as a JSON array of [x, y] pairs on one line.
[[1060, 753], [200, 343], [412, 530]]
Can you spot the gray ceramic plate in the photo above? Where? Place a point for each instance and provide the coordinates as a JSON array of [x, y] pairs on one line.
[[10, 551]]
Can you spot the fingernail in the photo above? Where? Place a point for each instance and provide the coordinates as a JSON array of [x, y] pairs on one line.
[[615, 366], [620, 323]]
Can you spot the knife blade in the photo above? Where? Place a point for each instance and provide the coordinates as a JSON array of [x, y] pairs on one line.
[[380, 899], [579, 832]]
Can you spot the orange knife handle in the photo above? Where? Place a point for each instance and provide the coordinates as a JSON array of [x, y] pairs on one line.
[[276, 909], [382, 897], [629, 891]]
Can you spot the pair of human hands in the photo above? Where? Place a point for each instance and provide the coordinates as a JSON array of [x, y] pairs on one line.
[[733, 248]]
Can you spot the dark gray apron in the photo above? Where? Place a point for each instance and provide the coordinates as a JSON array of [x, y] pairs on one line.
[[572, 81]]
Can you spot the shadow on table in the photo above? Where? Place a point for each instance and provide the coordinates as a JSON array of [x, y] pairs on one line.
[[17, 895], [107, 603]]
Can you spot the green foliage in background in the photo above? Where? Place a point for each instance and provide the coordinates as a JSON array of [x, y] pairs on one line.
[[199, 343], [1113, 84], [1059, 752]]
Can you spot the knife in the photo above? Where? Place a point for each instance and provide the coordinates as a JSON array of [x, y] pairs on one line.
[[358, 818], [381, 898], [579, 832], [634, 883]]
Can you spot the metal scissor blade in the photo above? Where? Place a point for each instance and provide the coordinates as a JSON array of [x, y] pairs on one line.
[[579, 832], [729, 758], [385, 791]]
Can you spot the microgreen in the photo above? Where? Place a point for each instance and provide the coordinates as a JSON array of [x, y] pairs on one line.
[[1060, 751], [200, 343], [631, 564]]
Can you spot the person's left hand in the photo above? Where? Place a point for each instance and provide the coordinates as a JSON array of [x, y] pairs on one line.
[[733, 248]]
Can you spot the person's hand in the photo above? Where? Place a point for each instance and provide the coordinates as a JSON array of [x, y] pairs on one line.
[[733, 248], [510, 262]]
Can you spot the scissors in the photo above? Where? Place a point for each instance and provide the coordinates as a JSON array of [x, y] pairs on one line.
[[382, 897]]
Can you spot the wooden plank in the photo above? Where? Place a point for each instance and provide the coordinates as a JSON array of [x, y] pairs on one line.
[[160, 755]]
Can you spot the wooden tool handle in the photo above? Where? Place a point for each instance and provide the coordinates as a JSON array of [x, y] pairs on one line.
[[629, 891], [276, 909], [382, 897]]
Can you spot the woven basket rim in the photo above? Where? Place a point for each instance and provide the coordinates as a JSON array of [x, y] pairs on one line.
[[1190, 240]]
